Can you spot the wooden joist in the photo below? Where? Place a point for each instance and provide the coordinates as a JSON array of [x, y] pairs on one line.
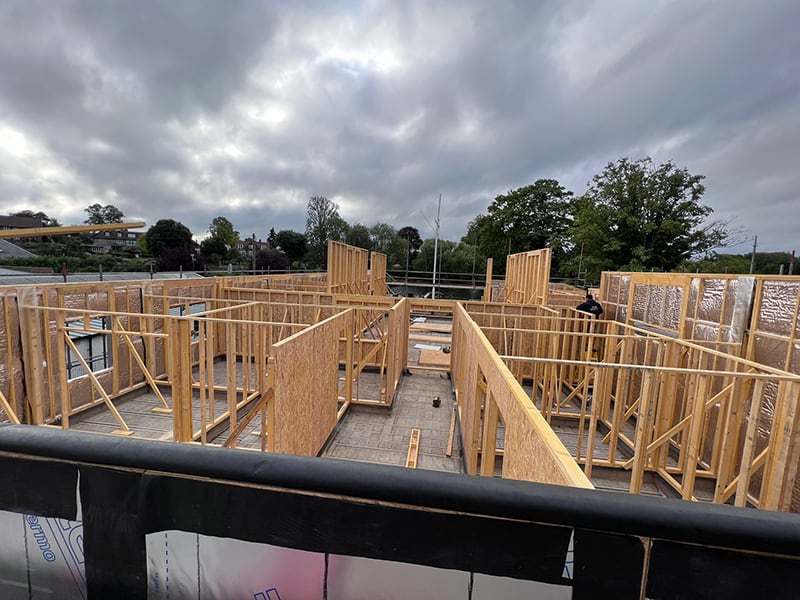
[[413, 449]]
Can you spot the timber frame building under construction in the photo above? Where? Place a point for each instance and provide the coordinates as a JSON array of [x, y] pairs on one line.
[[688, 386]]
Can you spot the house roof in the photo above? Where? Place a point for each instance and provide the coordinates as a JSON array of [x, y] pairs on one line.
[[9, 250]]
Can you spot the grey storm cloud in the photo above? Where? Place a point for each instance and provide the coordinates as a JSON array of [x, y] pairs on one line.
[[190, 109]]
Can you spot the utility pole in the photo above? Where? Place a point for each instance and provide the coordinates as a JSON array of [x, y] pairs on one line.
[[254, 255], [436, 248], [753, 256], [435, 243]]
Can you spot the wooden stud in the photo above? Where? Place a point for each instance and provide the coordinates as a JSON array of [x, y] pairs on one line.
[[488, 436], [31, 340], [451, 435]]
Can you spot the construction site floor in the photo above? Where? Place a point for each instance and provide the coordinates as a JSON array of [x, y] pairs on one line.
[[382, 435]]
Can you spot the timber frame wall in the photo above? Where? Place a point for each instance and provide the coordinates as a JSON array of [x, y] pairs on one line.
[[754, 317], [175, 351], [265, 353], [655, 404], [689, 411], [528, 277]]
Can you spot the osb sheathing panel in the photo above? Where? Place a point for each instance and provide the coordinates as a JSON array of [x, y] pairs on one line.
[[467, 378], [98, 298], [434, 358], [344, 300], [562, 299], [306, 386], [397, 359], [532, 450]]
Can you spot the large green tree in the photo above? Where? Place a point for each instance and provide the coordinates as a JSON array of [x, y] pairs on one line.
[[358, 235], [292, 244], [528, 218], [412, 237], [220, 245], [167, 235], [453, 258], [488, 235], [640, 216], [214, 250], [98, 215], [385, 240], [222, 228], [382, 236], [323, 223], [271, 260]]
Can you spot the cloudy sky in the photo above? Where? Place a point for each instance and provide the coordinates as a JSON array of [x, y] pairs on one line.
[[188, 109]]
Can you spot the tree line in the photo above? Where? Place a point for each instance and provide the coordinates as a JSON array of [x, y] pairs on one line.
[[635, 215]]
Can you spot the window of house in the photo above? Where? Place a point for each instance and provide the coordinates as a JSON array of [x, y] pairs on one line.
[[93, 346]]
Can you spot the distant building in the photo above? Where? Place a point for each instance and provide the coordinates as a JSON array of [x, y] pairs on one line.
[[113, 242], [251, 246], [12, 222]]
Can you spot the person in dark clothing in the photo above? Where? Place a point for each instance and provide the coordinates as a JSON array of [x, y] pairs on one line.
[[591, 306]]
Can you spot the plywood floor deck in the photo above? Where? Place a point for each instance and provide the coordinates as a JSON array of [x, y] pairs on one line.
[[136, 410]]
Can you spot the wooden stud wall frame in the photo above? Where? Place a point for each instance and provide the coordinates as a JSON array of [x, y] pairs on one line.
[[205, 351], [377, 274], [682, 410], [565, 295], [300, 282], [11, 365], [198, 346], [348, 269], [751, 316], [528, 277]]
